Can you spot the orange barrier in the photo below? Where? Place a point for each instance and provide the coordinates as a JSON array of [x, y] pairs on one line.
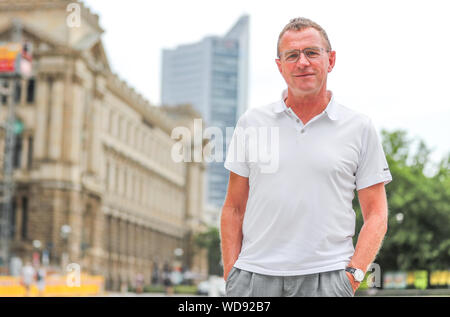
[[11, 286]]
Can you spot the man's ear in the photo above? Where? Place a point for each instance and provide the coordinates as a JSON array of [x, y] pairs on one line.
[[277, 60], [331, 61]]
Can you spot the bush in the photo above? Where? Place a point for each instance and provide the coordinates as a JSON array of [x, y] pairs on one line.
[[185, 289], [154, 289]]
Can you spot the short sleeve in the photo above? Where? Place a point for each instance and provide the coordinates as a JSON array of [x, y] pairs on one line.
[[236, 159], [372, 166]]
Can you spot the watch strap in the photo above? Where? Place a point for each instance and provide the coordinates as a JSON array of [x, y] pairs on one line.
[[353, 271]]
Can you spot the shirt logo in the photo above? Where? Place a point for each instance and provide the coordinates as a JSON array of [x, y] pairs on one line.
[[386, 169]]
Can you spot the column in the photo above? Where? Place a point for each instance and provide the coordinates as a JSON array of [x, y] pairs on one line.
[[74, 121], [42, 103], [25, 149], [112, 176], [77, 203], [18, 218], [23, 91], [98, 228], [95, 151], [115, 236], [56, 120]]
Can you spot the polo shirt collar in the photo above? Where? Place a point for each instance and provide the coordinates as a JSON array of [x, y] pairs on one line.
[[331, 110]]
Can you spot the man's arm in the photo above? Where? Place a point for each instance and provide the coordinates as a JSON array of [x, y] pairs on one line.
[[374, 210], [231, 220]]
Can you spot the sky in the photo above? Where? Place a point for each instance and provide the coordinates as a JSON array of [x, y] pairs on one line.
[[392, 60]]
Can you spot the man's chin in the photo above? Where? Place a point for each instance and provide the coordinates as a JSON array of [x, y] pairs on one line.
[[304, 90]]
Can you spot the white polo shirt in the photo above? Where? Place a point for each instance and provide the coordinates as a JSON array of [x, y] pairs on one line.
[[299, 217]]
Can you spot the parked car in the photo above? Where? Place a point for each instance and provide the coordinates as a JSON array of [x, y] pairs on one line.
[[215, 286], [203, 288]]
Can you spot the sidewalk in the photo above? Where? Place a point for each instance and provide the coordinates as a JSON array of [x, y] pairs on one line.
[[404, 292], [130, 294]]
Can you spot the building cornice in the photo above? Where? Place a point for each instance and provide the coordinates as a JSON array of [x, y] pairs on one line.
[[36, 5], [141, 160], [149, 221], [136, 101]]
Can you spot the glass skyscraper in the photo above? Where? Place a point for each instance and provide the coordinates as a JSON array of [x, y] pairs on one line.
[[212, 76]]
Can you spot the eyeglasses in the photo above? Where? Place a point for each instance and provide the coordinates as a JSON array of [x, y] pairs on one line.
[[311, 53]]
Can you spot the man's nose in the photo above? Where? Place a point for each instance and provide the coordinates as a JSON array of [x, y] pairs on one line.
[[303, 60]]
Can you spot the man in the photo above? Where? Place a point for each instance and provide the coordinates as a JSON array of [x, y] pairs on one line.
[[289, 232]]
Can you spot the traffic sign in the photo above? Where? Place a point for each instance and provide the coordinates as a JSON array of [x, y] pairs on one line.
[[18, 127], [15, 59]]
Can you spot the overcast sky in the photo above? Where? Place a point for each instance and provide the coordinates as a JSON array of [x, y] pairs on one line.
[[392, 60]]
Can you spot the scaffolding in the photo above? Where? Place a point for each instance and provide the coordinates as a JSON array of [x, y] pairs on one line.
[[12, 58]]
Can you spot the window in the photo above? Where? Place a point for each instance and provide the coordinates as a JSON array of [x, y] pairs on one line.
[[30, 152], [111, 122], [17, 154], [17, 92], [30, 91], [24, 232], [13, 218], [86, 233], [107, 184]]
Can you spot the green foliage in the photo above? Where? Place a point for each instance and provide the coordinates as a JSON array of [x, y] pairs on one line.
[[210, 240], [185, 289], [154, 289], [418, 234]]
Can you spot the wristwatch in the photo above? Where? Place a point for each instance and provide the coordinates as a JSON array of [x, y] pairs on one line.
[[358, 274]]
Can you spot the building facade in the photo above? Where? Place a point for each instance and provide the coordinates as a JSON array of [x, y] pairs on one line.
[[96, 156], [211, 75]]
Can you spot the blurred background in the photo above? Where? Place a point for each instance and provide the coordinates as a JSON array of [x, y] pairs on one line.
[[92, 201]]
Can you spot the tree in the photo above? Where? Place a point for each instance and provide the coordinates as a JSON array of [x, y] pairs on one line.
[[418, 234], [210, 240]]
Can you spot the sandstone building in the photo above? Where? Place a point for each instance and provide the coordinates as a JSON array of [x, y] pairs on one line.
[[95, 155]]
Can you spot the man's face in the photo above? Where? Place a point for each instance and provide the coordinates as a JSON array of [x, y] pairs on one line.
[[306, 76]]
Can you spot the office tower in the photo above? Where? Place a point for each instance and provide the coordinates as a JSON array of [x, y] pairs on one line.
[[212, 76]]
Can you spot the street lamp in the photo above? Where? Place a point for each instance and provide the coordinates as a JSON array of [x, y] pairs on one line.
[[65, 232], [177, 277], [178, 252], [36, 255], [37, 244]]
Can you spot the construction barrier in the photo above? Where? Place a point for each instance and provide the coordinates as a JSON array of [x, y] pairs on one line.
[[416, 280], [87, 285]]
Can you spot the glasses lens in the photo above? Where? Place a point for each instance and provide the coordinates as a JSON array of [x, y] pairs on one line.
[[291, 56], [312, 52]]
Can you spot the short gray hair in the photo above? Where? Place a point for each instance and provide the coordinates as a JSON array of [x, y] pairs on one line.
[[300, 24]]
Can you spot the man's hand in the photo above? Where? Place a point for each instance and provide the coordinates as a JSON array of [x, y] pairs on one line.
[[375, 214], [226, 272], [231, 221], [354, 283]]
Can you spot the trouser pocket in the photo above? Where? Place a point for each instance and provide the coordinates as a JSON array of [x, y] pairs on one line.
[[347, 284], [230, 278]]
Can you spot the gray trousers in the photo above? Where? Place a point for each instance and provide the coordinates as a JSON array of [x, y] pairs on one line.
[[242, 283]]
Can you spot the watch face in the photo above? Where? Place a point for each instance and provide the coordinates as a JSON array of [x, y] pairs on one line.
[[359, 275]]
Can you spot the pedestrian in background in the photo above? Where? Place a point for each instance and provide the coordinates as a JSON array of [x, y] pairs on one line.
[[40, 279], [28, 274], [167, 279], [139, 283]]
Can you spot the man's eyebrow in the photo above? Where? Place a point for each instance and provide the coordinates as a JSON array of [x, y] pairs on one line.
[[297, 49]]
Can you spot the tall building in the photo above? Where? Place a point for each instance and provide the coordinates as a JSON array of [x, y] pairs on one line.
[[212, 76], [95, 157]]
